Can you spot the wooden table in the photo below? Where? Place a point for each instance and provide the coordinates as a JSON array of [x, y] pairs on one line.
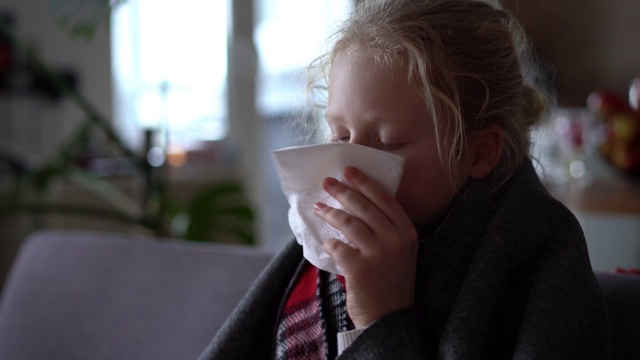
[[599, 197], [609, 192]]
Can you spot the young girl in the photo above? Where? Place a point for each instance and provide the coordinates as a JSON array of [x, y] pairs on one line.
[[472, 258]]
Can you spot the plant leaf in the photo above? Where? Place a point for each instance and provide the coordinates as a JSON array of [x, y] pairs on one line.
[[221, 211]]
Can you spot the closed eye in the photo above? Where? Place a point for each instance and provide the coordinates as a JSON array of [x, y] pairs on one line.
[[340, 138], [390, 146]]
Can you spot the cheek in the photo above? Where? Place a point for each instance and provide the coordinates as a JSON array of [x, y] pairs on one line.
[[424, 173], [425, 190]]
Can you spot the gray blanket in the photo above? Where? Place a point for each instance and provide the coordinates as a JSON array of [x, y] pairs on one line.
[[505, 276]]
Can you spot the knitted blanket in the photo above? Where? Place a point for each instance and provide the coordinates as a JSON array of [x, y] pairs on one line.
[[505, 276]]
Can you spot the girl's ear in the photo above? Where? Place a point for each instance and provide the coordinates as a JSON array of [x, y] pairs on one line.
[[486, 150]]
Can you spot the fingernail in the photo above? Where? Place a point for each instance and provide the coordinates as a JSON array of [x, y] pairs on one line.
[[351, 172], [330, 182], [319, 206]]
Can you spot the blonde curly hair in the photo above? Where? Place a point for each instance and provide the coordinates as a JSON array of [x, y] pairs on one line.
[[469, 60]]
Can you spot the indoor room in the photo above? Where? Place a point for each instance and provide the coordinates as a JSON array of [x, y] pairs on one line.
[[136, 151]]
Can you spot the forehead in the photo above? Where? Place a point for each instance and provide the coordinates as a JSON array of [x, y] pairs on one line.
[[360, 84], [371, 60]]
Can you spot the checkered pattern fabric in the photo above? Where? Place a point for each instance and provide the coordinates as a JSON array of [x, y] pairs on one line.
[[314, 312]]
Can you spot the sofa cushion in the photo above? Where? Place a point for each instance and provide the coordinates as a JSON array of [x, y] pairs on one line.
[[91, 295]]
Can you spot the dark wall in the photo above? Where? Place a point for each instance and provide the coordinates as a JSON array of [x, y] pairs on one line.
[[590, 43]]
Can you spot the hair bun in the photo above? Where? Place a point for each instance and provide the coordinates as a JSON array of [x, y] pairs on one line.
[[536, 105]]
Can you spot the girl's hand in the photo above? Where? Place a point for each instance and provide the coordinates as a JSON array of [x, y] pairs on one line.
[[380, 267]]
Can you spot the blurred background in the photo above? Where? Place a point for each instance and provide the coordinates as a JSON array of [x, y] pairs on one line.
[[158, 116]]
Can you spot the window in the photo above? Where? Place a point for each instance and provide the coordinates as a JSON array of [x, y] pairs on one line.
[[170, 62], [170, 73], [289, 34]]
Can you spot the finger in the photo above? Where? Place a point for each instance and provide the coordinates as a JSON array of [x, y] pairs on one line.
[[350, 226], [378, 196], [356, 204], [344, 255]]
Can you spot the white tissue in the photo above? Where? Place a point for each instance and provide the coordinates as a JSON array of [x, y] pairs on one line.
[[302, 169]]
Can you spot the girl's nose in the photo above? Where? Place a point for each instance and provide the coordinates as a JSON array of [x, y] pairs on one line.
[[359, 139]]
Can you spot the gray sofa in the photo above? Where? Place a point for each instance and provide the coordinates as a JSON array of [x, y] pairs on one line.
[[89, 295]]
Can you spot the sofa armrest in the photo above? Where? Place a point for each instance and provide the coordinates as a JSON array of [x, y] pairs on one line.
[[622, 295]]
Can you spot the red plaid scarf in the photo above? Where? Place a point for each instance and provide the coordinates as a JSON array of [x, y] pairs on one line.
[[314, 312]]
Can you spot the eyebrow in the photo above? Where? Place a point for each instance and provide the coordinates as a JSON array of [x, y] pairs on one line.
[[368, 119]]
